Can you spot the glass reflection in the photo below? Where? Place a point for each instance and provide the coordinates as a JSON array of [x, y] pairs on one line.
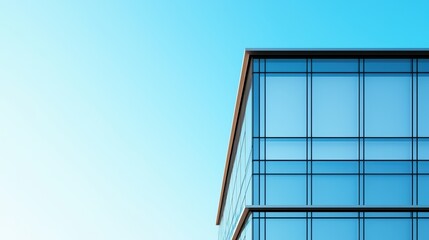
[[388, 105]]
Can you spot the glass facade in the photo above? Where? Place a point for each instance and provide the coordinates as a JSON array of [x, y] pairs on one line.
[[330, 132], [239, 189]]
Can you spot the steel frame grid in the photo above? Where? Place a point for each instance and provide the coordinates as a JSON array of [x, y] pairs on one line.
[[424, 54], [309, 139]]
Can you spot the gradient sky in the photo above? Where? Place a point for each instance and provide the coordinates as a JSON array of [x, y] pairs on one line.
[[115, 115]]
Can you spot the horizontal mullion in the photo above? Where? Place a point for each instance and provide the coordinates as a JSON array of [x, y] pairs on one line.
[[313, 208], [337, 160], [342, 217], [341, 174], [356, 72], [303, 137]]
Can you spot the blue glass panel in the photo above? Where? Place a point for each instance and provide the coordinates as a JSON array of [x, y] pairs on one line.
[[248, 200], [423, 229], [423, 166], [387, 214], [262, 105], [424, 190], [255, 166], [281, 229], [424, 66], [286, 214], [423, 105], [262, 65], [388, 167], [335, 214], [388, 149], [388, 105], [256, 100], [255, 225], [387, 65], [424, 149], [286, 65], [335, 103], [262, 148], [335, 167], [387, 229], [387, 190], [332, 149], [285, 105], [286, 190], [256, 194], [283, 149], [286, 166], [256, 65], [424, 214], [335, 229], [335, 190], [335, 65]]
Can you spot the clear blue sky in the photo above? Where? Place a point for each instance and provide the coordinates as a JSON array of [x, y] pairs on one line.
[[116, 115]]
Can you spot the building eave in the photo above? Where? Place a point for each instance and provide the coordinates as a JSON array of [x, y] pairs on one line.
[[229, 162]]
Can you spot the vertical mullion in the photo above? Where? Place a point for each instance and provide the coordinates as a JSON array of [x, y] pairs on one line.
[[412, 134], [417, 133], [265, 134], [306, 135], [363, 136], [363, 148], [311, 136], [359, 175]]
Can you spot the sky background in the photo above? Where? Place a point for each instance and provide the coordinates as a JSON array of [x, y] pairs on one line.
[[115, 116]]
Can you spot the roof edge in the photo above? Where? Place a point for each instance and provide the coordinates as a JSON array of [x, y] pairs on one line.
[[240, 93]]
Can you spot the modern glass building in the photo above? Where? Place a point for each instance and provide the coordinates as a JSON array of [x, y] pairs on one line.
[[329, 145]]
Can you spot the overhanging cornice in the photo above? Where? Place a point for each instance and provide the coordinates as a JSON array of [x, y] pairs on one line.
[[263, 208]]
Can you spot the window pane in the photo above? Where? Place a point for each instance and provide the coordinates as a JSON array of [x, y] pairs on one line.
[[388, 105], [256, 100], [335, 102], [286, 105], [286, 65], [424, 149], [387, 65], [335, 190], [423, 228], [283, 149], [387, 190], [423, 105], [423, 65], [423, 166], [286, 167], [388, 149], [286, 190], [335, 65], [335, 214], [255, 64], [286, 214], [333, 149], [388, 167], [291, 229], [387, 214], [424, 190], [335, 167], [335, 229], [387, 229]]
